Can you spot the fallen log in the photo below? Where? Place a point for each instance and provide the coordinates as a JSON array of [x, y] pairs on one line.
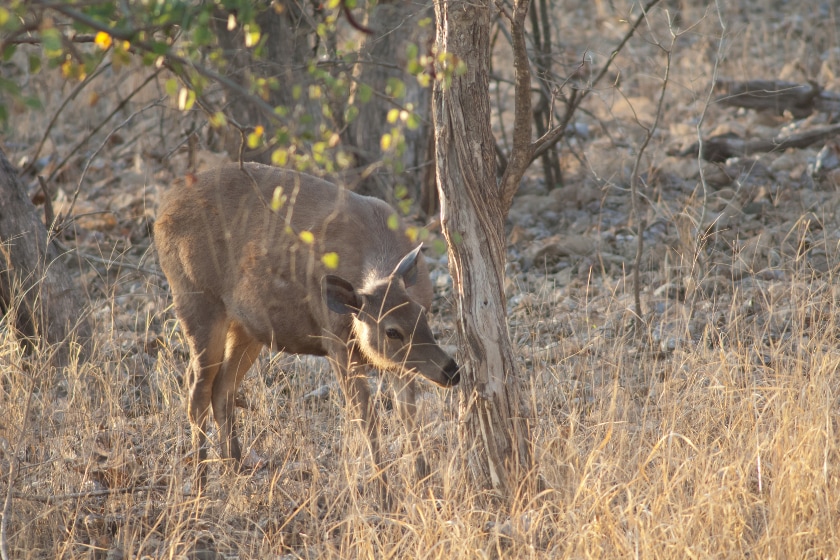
[[722, 147], [778, 96]]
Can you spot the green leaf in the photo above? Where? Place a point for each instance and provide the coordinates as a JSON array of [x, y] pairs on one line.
[[395, 88], [34, 63], [411, 50], [393, 222], [413, 121], [9, 87], [351, 113], [9, 51], [364, 93], [51, 40], [33, 102], [171, 87], [404, 206]]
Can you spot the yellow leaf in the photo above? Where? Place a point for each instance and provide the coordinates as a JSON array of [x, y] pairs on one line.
[[218, 119], [330, 260], [279, 157], [385, 143], [278, 199], [393, 115], [67, 68], [307, 237], [102, 40]]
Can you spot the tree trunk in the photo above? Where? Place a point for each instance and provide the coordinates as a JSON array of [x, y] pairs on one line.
[[381, 58], [495, 431], [37, 293]]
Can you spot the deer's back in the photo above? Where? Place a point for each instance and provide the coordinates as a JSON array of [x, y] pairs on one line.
[[218, 234]]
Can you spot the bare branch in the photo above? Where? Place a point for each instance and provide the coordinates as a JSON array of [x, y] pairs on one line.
[[634, 185], [79, 87], [555, 134], [116, 110], [520, 155]]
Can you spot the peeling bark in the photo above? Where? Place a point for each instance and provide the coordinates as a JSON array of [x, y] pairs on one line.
[[495, 419]]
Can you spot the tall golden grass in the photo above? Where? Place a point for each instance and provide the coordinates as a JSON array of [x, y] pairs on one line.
[[724, 446]]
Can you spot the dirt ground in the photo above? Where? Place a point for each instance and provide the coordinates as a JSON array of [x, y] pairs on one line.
[[710, 432]]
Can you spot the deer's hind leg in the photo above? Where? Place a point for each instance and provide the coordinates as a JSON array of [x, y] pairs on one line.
[[241, 350], [204, 322]]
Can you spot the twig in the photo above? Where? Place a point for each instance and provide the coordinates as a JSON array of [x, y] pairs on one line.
[[700, 236], [352, 20], [520, 155], [172, 59], [634, 182], [49, 213], [107, 262], [81, 38], [105, 140], [54, 118], [552, 136], [84, 140]]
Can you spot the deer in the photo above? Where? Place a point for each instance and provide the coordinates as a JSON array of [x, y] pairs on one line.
[[257, 256]]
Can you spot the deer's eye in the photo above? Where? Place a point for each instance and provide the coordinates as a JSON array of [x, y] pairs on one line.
[[393, 334]]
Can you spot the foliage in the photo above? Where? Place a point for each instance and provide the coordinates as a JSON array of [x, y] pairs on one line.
[[77, 37]]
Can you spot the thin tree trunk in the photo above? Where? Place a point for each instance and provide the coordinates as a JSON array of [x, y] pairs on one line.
[[35, 286], [495, 431]]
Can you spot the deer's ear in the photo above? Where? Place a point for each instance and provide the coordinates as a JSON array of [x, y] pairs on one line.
[[407, 268], [340, 295]]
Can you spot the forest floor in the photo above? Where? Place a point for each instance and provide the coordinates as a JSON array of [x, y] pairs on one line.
[[708, 429]]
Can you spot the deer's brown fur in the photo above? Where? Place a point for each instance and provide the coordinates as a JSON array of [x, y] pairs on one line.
[[244, 276]]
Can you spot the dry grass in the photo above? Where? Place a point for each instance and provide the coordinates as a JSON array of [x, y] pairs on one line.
[[713, 433], [725, 447]]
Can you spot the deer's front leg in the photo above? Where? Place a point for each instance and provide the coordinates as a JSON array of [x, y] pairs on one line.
[[354, 384], [405, 390]]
